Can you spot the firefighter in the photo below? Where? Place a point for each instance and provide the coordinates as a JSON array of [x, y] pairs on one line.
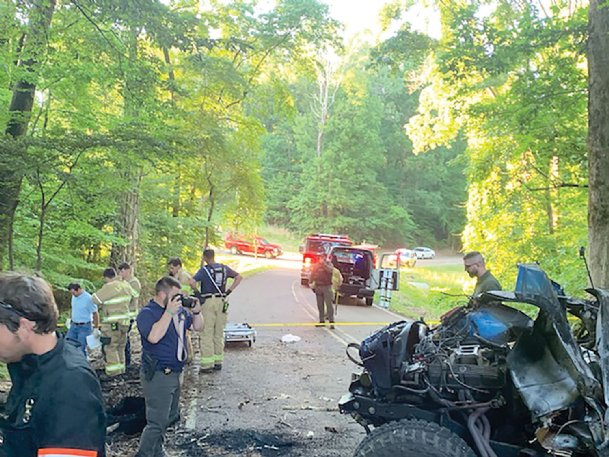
[[55, 405], [213, 277], [114, 299], [126, 274], [174, 265]]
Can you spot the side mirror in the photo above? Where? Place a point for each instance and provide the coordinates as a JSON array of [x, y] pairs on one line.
[[582, 252], [301, 248]]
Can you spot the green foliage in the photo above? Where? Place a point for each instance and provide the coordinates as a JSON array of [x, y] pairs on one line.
[[141, 104], [365, 179], [511, 80]]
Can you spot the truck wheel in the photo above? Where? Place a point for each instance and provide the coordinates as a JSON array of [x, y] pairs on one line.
[[234, 250], [413, 438], [369, 301], [268, 254]]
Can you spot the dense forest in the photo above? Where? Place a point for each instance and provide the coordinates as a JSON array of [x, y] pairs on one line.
[[142, 130]]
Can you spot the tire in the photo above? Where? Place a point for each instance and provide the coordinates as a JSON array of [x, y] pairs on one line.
[[268, 254], [369, 301], [234, 250], [413, 438]]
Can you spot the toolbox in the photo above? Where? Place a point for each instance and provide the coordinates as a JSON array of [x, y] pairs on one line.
[[234, 332]]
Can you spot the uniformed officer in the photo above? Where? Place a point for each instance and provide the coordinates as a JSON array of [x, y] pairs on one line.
[[126, 274], [322, 279], [475, 267], [55, 406], [114, 299], [213, 277], [162, 325]]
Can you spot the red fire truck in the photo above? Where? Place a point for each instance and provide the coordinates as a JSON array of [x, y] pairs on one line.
[[316, 246]]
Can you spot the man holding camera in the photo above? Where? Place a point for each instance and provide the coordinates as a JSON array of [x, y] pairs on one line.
[[213, 277], [162, 324]]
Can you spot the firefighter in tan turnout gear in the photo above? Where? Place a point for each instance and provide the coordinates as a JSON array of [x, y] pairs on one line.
[[214, 306], [113, 300]]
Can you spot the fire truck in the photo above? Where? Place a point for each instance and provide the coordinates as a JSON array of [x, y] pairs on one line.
[[317, 246]]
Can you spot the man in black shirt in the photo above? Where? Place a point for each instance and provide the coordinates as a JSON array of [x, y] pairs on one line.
[[55, 406]]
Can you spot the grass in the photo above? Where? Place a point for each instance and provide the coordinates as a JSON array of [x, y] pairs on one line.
[[430, 291], [283, 237]]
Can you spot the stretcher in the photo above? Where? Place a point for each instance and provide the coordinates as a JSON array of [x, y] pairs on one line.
[[234, 332]]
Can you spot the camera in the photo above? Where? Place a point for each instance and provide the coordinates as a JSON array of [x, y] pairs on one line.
[[187, 302]]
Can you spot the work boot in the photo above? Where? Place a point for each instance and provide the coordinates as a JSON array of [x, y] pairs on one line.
[[218, 366], [206, 370], [321, 324], [331, 325]]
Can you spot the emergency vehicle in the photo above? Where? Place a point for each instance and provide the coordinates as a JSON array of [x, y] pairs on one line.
[[317, 246]]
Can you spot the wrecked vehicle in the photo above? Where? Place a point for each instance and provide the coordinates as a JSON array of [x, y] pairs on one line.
[[489, 381]]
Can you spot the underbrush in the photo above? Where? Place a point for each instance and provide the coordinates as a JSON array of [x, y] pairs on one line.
[[288, 241], [430, 291]]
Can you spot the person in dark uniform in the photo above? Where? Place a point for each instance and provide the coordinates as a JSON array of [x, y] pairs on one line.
[[321, 284], [162, 324], [475, 267], [55, 406], [213, 277]]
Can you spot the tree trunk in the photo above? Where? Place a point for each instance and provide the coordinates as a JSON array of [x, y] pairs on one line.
[[210, 211], [41, 218], [20, 109], [126, 224], [598, 141], [552, 195]]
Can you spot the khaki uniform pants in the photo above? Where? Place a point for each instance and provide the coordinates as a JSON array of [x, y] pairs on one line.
[[114, 352], [212, 336], [325, 296]]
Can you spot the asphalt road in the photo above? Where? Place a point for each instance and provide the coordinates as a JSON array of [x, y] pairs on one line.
[[276, 398]]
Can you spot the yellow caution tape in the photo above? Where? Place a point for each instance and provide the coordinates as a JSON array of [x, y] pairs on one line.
[[313, 324]]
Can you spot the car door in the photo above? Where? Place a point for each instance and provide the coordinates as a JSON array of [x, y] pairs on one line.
[[245, 245], [258, 246]]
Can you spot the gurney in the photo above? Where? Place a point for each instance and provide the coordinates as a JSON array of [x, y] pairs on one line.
[[234, 332]]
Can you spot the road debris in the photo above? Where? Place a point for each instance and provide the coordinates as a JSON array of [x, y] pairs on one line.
[[289, 338]]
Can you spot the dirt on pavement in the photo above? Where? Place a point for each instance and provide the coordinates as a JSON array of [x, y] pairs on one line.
[[273, 399]]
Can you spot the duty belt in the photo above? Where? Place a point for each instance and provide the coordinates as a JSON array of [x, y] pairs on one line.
[[212, 295], [81, 323]]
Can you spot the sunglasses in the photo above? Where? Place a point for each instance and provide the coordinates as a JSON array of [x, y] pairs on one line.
[[9, 307]]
